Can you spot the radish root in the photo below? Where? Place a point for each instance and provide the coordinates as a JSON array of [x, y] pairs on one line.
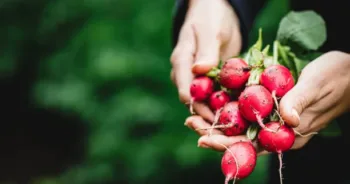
[[280, 168], [295, 131], [216, 119], [216, 126], [261, 124], [301, 135], [275, 100], [235, 159]]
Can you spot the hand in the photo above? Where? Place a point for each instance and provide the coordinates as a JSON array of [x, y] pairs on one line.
[[209, 33], [320, 95]]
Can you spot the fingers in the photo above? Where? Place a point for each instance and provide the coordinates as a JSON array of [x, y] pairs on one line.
[[182, 59], [203, 110], [208, 43], [295, 101], [219, 142], [197, 122], [217, 138]]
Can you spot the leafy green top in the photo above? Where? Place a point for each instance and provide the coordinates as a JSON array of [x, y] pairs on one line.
[[305, 28]]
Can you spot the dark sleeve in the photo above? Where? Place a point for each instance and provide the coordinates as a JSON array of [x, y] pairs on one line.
[[246, 11]]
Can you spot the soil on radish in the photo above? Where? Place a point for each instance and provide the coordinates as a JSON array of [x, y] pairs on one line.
[[234, 73], [232, 118]]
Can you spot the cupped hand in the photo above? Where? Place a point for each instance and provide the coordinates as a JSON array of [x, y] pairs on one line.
[[210, 33], [321, 94]]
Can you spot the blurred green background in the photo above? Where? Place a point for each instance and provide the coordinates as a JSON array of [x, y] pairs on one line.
[[87, 97]]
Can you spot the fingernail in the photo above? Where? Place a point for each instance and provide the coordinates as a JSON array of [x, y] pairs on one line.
[[188, 120], [198, 63], [295, 114]]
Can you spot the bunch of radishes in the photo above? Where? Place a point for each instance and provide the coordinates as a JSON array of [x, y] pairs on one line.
[[244, 93]]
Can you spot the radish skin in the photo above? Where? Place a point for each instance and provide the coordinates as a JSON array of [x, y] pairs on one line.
[[201, 88], [255, 104], [278, 80], [239, 161], [234, 73], [277, 142], [232, 121], [218, 99]]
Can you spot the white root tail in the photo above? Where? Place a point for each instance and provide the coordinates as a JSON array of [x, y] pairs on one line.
[[275, 100], [216, 119], [280, 168], [234, 158], [301, 135], [262, 125], [216, 126]]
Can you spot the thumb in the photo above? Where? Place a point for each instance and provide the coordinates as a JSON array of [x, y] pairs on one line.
[[208, 50], [296, 101]]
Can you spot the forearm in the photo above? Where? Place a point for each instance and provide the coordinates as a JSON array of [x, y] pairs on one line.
[[246, 11]]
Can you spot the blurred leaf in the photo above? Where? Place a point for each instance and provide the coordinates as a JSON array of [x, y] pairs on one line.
[[296, 27]]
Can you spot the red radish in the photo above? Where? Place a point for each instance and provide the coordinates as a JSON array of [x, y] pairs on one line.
[[201, 88], [279, 141], [238, 161], [282, 139], [231, 120], [218, 99], [255, 104], [234, 73], [278, 80]]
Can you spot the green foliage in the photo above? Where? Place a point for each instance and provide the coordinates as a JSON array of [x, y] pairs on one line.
[[306, 28]]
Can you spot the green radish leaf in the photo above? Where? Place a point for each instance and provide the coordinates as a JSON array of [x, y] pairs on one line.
[[305, 28], [213, 72], [299, 65], [301, 61], [311, 55], [268, 61], [254, 77], [266, 50], [274, 117], [252, 131], [221, 62], [258, 44], [257, 57]]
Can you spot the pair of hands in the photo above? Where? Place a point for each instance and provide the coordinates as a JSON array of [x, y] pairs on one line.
[[211, 32]]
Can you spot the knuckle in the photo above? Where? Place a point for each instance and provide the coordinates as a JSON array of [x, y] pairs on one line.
[[334, 53], [303, 101], [174, 57], [180, 54], [222, 35]]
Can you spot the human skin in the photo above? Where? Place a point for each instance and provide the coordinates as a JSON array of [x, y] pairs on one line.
[[320, 96], [211, 32]]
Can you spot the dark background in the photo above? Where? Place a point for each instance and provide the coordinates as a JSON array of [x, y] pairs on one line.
[[87, 98]]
